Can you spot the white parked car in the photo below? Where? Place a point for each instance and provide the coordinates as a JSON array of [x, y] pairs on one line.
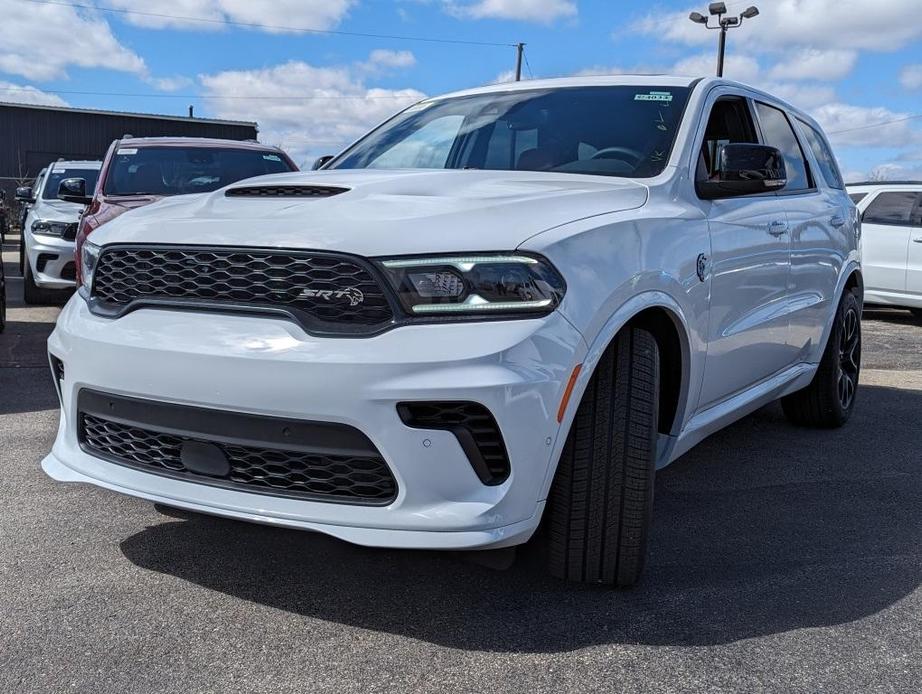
[[503, 305], [47, 249], [891, 242]]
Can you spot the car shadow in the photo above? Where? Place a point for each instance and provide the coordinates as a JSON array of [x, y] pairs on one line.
[[900, 316], [763, 528]]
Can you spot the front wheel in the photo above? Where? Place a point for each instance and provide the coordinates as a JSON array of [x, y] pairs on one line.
[[601, 501], [917, 312], [828, 401], [32, 293]]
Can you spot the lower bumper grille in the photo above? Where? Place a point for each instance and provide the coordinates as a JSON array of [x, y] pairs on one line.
[[342, 465]]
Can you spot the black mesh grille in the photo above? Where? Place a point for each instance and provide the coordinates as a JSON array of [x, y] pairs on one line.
[[326, 291], [475, 428], [284, 191], [262, 470]]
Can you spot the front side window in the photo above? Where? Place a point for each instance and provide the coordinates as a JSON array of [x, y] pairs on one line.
[[777, 132], [893, 208], [729, 123], [181, 170], [824, 157], [56, 175], [606, 131]]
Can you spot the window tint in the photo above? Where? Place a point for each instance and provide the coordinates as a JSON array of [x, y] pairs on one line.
[[606, 131], [181, 170], [857, 197], [891, 208], [824, 157], [778, 133], [729, 123]]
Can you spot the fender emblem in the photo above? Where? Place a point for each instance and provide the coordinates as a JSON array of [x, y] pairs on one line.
[[703, 267], [352, 294]]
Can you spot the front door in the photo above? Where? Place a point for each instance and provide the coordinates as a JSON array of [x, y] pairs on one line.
[[750, 267], [885, 242]]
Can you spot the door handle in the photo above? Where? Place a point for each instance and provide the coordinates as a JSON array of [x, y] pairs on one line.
[[777, 228], [837, 221]]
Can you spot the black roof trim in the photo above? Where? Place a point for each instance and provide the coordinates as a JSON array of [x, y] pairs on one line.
[[885, 183]]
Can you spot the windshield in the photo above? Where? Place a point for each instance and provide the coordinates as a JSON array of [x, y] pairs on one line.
[[181, 170], [609, 131], [56, 175]]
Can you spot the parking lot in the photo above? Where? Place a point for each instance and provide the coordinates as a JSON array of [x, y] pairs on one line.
[[781, 560]]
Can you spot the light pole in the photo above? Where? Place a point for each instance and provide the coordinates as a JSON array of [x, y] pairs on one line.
[[723, 23]]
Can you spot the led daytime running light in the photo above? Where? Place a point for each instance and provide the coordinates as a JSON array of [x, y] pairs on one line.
[[464, 263]]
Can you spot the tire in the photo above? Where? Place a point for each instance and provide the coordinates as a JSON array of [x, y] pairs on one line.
[[917, 312], [32, 293], [601, 501], [2, 302], [829, 400], [22, 257]]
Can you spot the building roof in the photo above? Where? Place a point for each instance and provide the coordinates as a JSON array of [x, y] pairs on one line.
[[128, 114]]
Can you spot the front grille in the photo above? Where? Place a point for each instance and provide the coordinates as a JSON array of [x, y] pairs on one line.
[[311, 475], [323, 291], [284, 191], [475, 428]]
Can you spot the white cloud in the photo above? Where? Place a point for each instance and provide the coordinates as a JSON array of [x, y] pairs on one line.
[[41, 41], [339, 108], [275, 16], [810, 23], [27, 94], [860, 126], [815, 64], [544, 11], [911, 76], [170, 84], [894, 172], [742, 68], [383, 59]]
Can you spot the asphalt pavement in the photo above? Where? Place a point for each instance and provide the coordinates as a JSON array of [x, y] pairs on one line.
[[781, 560]]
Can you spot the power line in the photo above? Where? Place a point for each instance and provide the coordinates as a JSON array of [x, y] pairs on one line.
[[157, 95], [876, 125], [270, 27]]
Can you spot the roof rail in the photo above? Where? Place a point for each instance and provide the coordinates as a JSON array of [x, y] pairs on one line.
[[885, 183]]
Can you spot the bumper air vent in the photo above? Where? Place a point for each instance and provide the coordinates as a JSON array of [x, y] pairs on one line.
[[475, 428]]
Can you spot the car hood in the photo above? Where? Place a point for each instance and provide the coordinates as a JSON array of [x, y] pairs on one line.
[[381, 212], [57, 211]]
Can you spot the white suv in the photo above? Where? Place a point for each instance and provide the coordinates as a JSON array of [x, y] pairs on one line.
[[47, 250], [891, 242], [502, 305]]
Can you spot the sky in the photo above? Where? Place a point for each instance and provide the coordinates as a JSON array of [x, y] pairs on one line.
[[317, 74]]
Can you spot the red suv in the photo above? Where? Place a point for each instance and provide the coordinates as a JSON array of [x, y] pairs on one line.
[[140, 170]]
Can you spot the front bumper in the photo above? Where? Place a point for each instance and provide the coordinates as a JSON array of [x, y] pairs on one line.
[[270, 367], [51, 260]]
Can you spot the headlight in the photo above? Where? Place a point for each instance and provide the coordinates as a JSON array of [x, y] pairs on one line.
[[43, 228], [475, 284], [89, 256]]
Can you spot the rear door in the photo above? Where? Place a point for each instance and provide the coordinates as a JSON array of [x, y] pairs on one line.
[[885, 241], [914, 263]]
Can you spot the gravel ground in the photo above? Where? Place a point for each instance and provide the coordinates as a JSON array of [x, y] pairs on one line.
[[781, 560]]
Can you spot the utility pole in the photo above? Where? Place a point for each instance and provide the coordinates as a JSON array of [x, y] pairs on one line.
[[724, 24], [519, 54]]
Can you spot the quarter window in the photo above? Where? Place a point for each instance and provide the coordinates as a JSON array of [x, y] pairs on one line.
[[857, 197], [777, 131], [824, 157], [894, 208]]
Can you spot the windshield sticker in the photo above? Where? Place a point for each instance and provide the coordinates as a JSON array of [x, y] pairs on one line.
[[654, 96], [272, 157], [127, 150]]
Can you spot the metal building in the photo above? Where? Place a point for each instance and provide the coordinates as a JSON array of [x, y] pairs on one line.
[[33, 136]]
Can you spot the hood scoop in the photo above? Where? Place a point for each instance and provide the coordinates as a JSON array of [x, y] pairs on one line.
[[291, 191]]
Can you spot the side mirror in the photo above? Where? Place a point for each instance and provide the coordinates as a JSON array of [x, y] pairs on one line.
[[322, 161], [24, 194], [74, 190], [745, 169]]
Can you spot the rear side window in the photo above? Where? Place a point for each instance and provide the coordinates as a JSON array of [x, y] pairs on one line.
[[824, 157], [777, 131], [893, 208], [857, 197]]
